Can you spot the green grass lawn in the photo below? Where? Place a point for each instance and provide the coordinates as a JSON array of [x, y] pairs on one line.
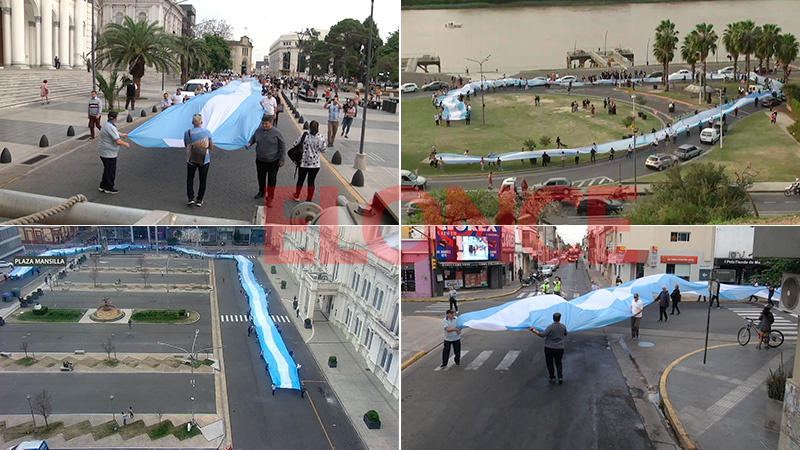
[[753, 140], [163, 316], [510, 119], [677, 92], [53, 315]]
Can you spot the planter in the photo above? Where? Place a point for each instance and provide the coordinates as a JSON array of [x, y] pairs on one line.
[[283, 284], [372, 424], [774, 412], [273, 270], [307, 323], [332, 362]]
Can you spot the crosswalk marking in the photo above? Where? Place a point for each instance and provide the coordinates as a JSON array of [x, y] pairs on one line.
[[509, 359], [280, 318], [436, 308], [451, 361], [786, 325], [478, 362], [592, 181], [230, 318]]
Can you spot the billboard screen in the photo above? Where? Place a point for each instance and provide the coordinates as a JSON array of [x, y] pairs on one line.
[[473, 248], [474, 243]]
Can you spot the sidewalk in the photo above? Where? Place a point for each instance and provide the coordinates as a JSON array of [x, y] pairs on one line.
[[356, 388], [472, 295]]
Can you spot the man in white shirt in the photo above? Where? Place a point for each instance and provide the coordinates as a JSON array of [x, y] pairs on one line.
[[636, 309], [177, 99], [269, 104]]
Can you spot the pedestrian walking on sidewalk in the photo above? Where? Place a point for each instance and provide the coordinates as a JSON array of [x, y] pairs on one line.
[[490, 181], [663, 304], [312, 144], [95, 110], [676, 298], [108, 149], [714, 297], [334, 108], [124, 418], [453, 298], [44, 92], [553, 336], [270, 156], [452, 338], [636, 309]]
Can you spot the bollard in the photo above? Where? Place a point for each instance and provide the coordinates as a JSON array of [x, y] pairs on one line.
[[43, 142], [358, 179], [5, 156], [305, 125], [155, 110], [301, 120], [129, 119], [70, 131], [336, 158], [144, 114]]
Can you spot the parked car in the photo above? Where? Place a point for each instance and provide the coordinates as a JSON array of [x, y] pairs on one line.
[[687, 151], [410, 180], [769, 101], [191, 85], [599, 204], [566, 79], [5, 265], [409, 87], [727, 71], [557, 186], [683, 74], [547, 270], [435, 86], [30, 445], [660, 161], [656, 74], [709, 136]]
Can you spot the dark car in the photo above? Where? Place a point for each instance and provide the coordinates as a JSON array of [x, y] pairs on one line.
[[595, 205], [435, 86], [769, 101], [687, 151]]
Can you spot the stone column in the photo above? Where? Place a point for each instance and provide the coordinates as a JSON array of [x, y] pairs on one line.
[[6, 36], [18, 26], [56, 52], [79, 37], [47, 34], [37, 60], [63, 33]]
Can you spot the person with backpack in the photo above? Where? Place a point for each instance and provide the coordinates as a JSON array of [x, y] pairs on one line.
[[198, 148], [764, 328], [312, 144]]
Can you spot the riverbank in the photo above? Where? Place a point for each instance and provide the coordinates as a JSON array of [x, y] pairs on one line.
[[468, 4]]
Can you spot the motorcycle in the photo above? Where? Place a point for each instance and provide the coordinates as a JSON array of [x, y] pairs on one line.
[[793, 189]]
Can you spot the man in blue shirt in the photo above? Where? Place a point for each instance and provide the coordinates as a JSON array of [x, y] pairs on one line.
[[333, 107], [198, 158]]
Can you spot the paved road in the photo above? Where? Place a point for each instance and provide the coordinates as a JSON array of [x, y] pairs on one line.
[[88, 393], [155, 278], [259, 419]]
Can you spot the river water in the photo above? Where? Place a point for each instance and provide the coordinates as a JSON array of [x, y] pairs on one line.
[[539, 37]]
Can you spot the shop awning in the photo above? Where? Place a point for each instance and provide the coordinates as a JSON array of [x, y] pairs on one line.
[[635, 256]]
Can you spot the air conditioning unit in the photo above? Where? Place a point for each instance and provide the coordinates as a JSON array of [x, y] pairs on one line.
[[790, 292], [733, 255]]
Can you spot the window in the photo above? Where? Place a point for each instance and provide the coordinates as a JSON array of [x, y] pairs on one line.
[[357, 330], [367, 335], [336, 272], [141, 17], [118, 17], [380, 302], [679, 236], [347, 317], [363, 288], [375, 297], [388, 363]]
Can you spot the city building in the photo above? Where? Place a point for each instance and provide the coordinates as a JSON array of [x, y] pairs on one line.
[[733, 255], [10, 242], [263, 66], [40, 235], [349, 276], [285, 52], [242, 55], [175, 19]]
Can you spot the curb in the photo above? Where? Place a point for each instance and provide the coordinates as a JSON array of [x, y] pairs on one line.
[[471, 299], [686, 442], [411, 360]]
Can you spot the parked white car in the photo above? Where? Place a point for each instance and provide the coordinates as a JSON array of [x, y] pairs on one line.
[[709, 136], [683, 74], [191, 86], [409, 87]]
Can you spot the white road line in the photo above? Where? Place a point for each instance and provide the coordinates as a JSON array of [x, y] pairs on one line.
[[509, 359], [478, 362], [521, 294], [591, 182], [450, 362], [770, 203], [222, 317]]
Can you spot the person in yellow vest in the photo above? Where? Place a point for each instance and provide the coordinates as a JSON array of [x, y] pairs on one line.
[[557, 286], [546, 287]]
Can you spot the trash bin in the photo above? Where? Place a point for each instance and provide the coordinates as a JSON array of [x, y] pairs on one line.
[[389, 106]]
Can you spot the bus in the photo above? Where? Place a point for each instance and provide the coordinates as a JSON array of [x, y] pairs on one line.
[[573, 253]]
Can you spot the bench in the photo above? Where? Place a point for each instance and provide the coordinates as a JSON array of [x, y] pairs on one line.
[[5, 354]]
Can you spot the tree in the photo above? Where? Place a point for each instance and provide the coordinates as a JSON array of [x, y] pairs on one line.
[[109, 347], [529, 144], [94, 272], [388, 58], [689, 51], [767, 42], [664, 47], [140, 262], [697, 194], [345, 40], [145, 273], [109, 87], [747, 38], [134, 46], [731, 43], [193, 53], [786, 51], [775, 268], [43, 406], [219, 53], [25, 344], [706, 44], [214, 27]]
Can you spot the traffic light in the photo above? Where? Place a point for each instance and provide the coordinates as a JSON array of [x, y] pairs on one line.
[[433, 263]]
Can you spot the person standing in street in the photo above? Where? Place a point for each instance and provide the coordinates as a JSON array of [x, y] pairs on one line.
[[553, 336], [110, 142], [453, 298], [349, 114], [490, 181], [452, 338], [269, 104], [177, 98], [198, 158], [95, 109], [557, 286], [270, 155], [313, 145], [130, 323], [636, 309], [594, 286], [333, 107], [165, 102], [663, 304], [676, 298], [771, 292], [130, 95]]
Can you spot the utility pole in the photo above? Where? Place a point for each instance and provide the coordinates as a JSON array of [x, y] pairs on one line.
[[483, 87]]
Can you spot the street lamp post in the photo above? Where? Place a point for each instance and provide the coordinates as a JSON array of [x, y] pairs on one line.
[[92, 62], [33, 418], [300, 34], [721, 123], [483, 88], [360, 162], [635, 185], [113, 415]]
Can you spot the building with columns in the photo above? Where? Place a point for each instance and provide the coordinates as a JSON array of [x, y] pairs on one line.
[[242, 55], [285, 51], [34, 32], [352, 283]]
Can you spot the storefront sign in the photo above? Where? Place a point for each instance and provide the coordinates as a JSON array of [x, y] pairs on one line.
[[670, 259], [737, 262]]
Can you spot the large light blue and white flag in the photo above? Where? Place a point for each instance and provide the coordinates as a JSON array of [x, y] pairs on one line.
[[595, 309], [231, 113]]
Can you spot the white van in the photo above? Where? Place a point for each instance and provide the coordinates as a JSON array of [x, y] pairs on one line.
[[709, 136], [755, 88]]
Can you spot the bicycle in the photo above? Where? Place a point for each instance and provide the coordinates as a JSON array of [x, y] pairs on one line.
[[775, 338]]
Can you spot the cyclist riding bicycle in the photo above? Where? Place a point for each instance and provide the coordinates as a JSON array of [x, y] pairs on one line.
[[765, 327]]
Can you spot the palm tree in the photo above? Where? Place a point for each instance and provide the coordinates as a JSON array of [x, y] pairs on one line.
[[664, 47], [786, 51], [746, 37], [133, 46], [689, 51], [767, 41], [706, 43], [729, 40], [193, 52]]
